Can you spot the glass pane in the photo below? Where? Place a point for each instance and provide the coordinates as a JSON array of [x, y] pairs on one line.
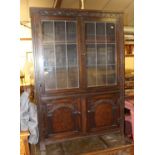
[[91, 55], [49, 58], [73, 77], [110, 30], [61, 69], [101, 54], [47, 31], [101, 76], [72, 55], [50, 81], [111, 74], [100, 32], [111, 54], [60, 50], [90, 32], [91, 76], [59, 31], [71, 31], [61, 74]]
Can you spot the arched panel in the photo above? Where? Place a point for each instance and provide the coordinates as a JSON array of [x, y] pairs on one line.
[[63, 116], [102, 112], [103, 115], [95, 103], [62, 120], [57, 106]]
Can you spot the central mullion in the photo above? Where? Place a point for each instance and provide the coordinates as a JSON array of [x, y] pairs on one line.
[[115, 56], [66, 53], [54, 53], [96, 52], [106, 52]]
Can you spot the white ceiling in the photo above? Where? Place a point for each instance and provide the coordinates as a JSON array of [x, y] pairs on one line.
[[126, 6]]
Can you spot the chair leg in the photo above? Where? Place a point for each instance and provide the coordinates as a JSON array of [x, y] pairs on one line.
[[33, 149]]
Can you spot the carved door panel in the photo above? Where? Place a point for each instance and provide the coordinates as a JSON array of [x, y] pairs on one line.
[[103, 112], [64, 116]]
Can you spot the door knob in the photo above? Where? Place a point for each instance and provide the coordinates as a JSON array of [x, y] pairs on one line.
[[89, 111]]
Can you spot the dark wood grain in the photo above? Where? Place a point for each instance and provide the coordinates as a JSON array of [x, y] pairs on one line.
[[102, 112], [76, 112], [63, 115]]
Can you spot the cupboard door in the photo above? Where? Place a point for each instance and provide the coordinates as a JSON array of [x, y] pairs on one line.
[[102, 112], [64, 116], [101, 53], [60, 54]]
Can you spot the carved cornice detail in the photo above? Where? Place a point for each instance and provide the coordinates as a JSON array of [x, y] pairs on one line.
[[78, 13]]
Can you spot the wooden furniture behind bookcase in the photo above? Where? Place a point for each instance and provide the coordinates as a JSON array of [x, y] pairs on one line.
[[79, 72], [24, 146]]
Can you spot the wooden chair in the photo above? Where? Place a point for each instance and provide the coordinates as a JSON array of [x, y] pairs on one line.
[[24, 146]]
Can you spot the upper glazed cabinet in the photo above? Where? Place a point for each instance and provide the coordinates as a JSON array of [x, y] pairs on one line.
[[61, 61], [76, 52]]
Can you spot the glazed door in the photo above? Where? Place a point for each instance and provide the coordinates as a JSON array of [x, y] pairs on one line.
[[103, 112], [59, 44], [63, 116], [101, 53]]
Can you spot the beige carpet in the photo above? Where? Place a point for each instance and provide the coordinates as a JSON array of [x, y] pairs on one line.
[[85, 145]]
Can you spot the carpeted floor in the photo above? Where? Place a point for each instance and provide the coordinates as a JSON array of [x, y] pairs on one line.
[[85, 145]]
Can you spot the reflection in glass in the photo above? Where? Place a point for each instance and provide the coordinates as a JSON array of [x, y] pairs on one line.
[[61, 75], [101, 54], [49, 56], [71, 31], [72, 55], [91, 55], [111, 54], [50, 81], [47, 31], [59, 31], [73, 77], [101, 76], [91, 76], [100, 32], [110, 30], [60, 50], [90, 32], [111, 74]]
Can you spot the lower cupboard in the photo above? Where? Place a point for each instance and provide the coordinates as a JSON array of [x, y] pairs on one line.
[[74, 116]]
